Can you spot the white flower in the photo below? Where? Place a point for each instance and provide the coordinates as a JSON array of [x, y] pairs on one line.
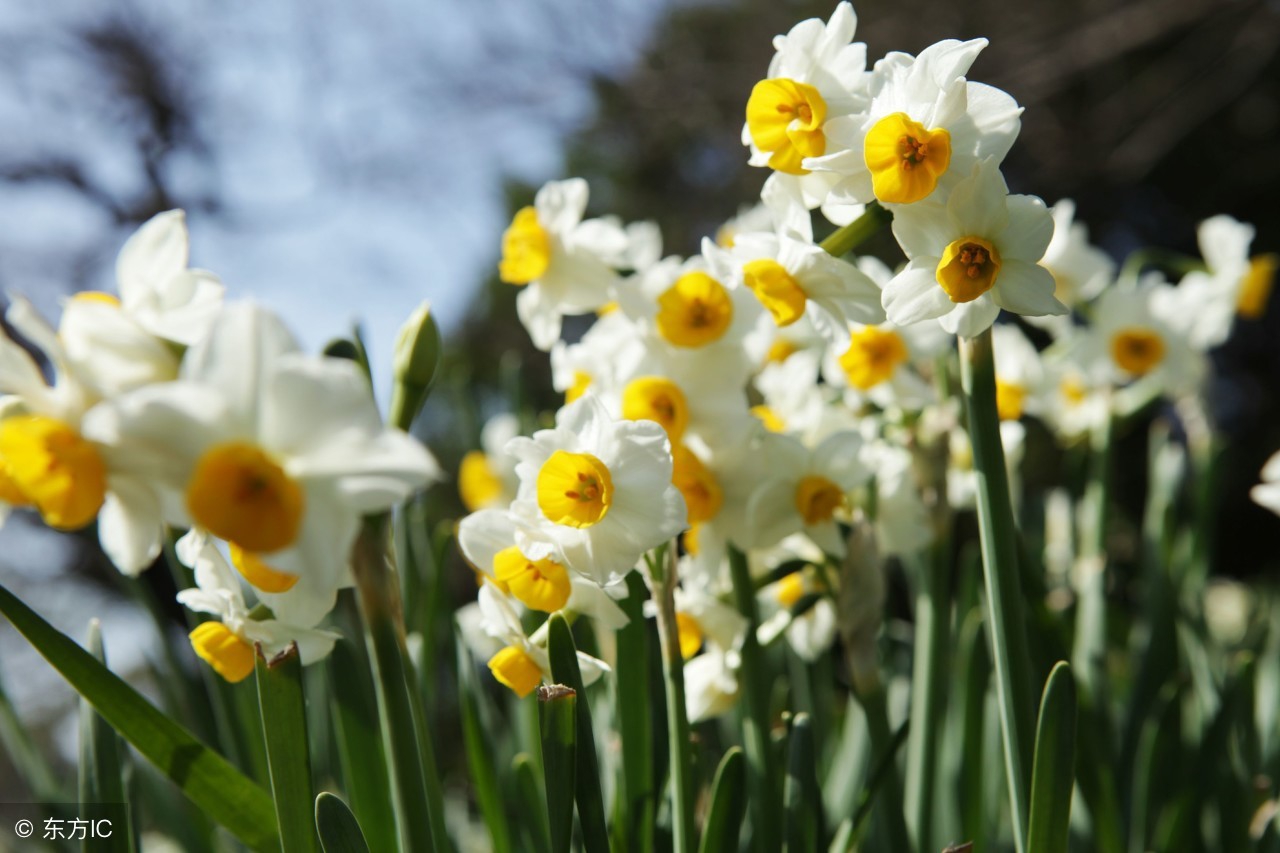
[[817, 75], [879, 364], [1134, 337], [1267, 493], [600, 490], [1080, 270], [901, 521], [276, 452], [522, 664], [1019, 373], [563, 264], [971, 258], [711, 683], [50, 460], [487, 477], [1205, 304], [793, 278], [924, 130], [218, 593], [804, 489]]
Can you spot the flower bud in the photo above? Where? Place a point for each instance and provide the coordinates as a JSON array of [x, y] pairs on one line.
[[416, 358]]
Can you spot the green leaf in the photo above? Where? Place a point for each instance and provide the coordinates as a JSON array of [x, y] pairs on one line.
[[32, 766], [533, 806], [284, 725], [589, 790], [221, 791], [337, 827], [355, 715], [802, 822], [480, 754], [633, 829], [101, 769], [557, 706], [728, 804], [1053, 773]]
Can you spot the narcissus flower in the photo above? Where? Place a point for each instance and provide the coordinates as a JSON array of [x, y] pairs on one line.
[[562, 264], [276, 452], [805, 490], [487, 477], [1267, 493], [972, 257], [228, 644], [817, 75], [600, 490], [1080, 270], [925, 128], [795, 279]]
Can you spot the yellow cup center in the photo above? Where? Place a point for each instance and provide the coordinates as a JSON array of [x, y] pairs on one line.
[[785, 118], [1137, 349], [230, 656], [905, 158], [514, 668], [526, 249], [256, 571], [703, 496], [777, 290], [479, 485], [654, 398], [239, 493], [817, 499], [539, 584], [1255, 287], [695, 311], [574, 489], [1010, 399], [47, 464], [690, 633], [873, 356], [968, 268]]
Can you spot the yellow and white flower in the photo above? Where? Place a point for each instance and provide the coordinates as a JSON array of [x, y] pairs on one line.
[[1134, 337], [1081, 271], [805, 490], [923, 131], [51, 461], [877, 364], [228, 643], [563, 264], [598, 489], [810, 633], [487, 477], [522, 663], [1019, 373], [972, 257], [795, 279], [276, 452], [817, 75]]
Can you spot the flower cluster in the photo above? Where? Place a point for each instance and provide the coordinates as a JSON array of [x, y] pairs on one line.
[[773, 392], [172, 410]]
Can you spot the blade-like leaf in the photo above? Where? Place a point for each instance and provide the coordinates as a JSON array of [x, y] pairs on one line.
[[101, 769], [533, 806], [588, 785], [337, 827], [557, 706], [1053, 773], [802, 823], [480, 754], [728, 804], [221, 791], [284, 725]]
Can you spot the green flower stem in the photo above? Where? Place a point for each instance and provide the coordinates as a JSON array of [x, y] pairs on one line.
[[1006, 614], [886, 781], [1091, 614], [663, 576], [846, 239], [763, 781], [419, 804], [930, 669]]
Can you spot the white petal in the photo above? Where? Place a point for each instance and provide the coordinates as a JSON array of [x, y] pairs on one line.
[[914, 294], [1026, 288], [156, 252], [130, 526], [239, 355], [971, 319]]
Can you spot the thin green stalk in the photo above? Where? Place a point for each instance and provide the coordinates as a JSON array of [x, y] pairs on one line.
[[929, 672], [102, 766], [635, 802], [1090, 649], [1006, 614], [762, 776], [419, 805], [885, 779], [663, 574], [848, 238]]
